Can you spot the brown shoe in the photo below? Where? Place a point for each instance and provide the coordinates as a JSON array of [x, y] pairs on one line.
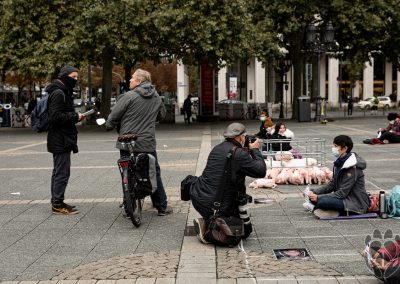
[[69, 206], [200, 227], [62, 209]]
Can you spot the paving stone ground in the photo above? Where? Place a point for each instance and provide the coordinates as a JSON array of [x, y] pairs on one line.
[[99, 245]]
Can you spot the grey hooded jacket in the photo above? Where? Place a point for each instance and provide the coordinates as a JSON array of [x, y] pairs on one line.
[[136, 112], [348, 184]]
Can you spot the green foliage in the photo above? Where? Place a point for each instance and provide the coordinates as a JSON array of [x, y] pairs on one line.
[[29, 31], [216, 31], [38, 37]]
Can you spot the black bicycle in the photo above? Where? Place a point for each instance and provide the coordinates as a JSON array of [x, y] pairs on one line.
[[133, 200]]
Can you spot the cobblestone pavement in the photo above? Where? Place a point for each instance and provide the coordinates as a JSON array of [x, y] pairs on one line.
[[99, 245], [141, 265]]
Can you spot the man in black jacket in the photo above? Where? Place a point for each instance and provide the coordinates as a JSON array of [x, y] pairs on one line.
[[245, 162], [62, 136]]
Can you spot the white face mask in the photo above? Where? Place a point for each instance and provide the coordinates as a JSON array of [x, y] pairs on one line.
[[335, 152], [262, 118], [391, 122]]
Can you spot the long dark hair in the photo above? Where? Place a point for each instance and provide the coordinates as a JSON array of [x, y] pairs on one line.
[[278, 126]]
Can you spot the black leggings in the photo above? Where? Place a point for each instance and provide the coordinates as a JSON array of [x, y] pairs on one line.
[[391, 137]]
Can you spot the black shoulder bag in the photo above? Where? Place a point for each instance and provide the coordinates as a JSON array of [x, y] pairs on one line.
[[222, 230]]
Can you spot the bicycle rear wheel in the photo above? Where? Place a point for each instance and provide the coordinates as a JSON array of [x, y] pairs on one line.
[[133, 208], [137, 212]]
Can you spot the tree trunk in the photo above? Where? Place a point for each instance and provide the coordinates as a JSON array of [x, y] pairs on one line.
[[297, 60], [128, 73], [106, 84]]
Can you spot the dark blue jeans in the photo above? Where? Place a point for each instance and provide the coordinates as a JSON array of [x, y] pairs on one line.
[[159, 197], [329, 203]]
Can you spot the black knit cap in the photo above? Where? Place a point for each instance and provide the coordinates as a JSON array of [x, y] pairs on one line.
[[66, 70]]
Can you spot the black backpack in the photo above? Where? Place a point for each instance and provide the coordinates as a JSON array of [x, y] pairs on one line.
[[40, 115]]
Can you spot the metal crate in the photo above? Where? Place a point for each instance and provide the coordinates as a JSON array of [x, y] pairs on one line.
[[306, 147]]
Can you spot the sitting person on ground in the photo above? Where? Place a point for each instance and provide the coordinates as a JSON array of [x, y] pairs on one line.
[[205, 191], [390, 134], [385, 261], [281, 132], [345, 194], [266, 126]]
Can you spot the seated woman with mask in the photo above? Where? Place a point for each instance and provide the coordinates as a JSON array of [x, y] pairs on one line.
[[266, 126]]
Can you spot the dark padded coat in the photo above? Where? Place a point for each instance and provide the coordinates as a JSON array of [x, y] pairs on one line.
[[277, 146], [245, 163], [63, 135], [348, 184]]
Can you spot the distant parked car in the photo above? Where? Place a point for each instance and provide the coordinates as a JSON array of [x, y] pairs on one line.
[[384, 102]]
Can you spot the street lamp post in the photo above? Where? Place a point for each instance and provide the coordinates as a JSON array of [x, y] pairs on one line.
[[319, 43], [284, 67]]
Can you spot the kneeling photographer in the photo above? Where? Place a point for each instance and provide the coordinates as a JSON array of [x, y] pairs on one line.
[[221, 189]]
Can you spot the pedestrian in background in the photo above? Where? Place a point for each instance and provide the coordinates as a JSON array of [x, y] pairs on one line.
[[187, 108], [32, 104], [62, 137], [350, 106], [374, 105]]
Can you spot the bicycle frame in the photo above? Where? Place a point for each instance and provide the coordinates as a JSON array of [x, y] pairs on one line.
[[123, 164]]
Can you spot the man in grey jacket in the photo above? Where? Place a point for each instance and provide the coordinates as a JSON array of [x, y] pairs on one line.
[[345, 193], [137, 112]]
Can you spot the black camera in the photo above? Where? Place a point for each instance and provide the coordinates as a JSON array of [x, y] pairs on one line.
[[243, 199], [249, 139]]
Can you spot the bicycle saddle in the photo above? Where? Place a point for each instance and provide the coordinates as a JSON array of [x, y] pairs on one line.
[[127, 137]]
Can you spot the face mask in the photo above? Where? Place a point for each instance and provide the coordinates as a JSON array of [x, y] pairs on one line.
[[335, 152], [262, 118], [69, 82], [391, 122]]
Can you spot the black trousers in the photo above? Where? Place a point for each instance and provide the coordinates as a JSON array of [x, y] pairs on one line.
[[60, 176], [159, 197], [391, 137]]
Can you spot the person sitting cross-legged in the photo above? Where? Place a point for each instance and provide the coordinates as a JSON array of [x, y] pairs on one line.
[[345, 193], [390, 134]]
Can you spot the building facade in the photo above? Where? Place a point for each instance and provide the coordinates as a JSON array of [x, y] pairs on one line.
[[250, 82]]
